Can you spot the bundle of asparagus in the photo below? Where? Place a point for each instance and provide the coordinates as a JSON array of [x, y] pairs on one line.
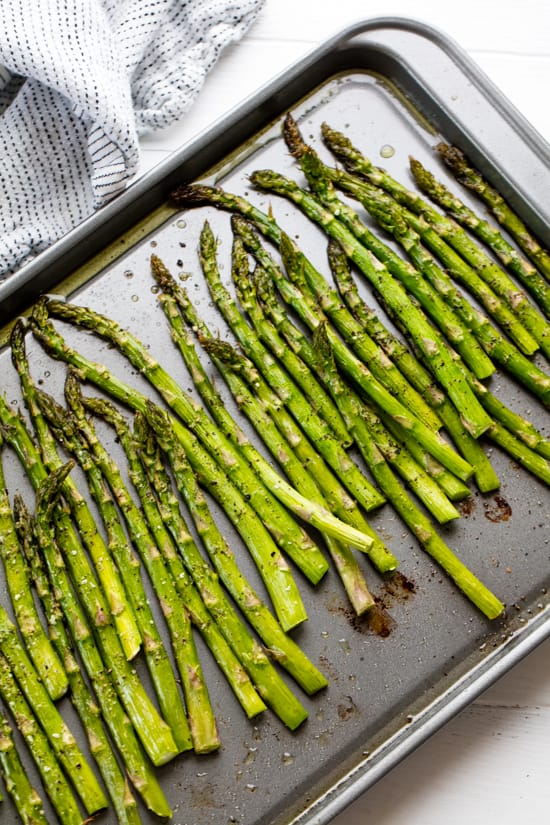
[[355, 418], [401, 395]]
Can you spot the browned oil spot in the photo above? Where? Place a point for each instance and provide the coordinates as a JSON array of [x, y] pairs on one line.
[[377, 620], [467, 506], [498, 509], [348, 710], [398, 586]]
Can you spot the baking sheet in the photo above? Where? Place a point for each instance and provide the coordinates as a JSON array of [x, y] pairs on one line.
[[389, 85]]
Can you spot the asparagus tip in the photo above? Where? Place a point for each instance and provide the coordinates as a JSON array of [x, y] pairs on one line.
[[452, 156], [161, 274], [293, 139], [189, 194]]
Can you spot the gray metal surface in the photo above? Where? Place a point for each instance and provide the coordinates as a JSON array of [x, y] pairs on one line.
[[387, 83]]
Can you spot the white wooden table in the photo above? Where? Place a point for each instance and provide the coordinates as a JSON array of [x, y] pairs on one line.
[[492, 762]]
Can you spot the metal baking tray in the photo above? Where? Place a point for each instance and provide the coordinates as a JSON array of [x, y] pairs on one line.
[[387, 82]]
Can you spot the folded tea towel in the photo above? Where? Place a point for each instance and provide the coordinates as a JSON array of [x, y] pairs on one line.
[[80, 80]]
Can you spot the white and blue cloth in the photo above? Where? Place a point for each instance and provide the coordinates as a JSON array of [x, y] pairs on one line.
[[80, 81]]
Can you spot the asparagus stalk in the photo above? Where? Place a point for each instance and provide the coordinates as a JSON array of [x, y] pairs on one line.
[[272, 689], [282, 648], [136, 450], [425, 336], [235, 365], [263, 492], [314, 427], [100, 375], [360, 422], [354, 368], [319, 177], [525, 272], [56, 784], [64, 427], [502, 211], [518, 446], [423, 484], [407, 230], [115, 781], [445, 233], [37, 643], [141, 442], [26, 798], [295, 339], [532, 461], [485, 477], [319, 400], [149, 725], [278, 445], [105, 567], [494, 275], [59, 735], [202, 724], [196, 195], [120, 727], [380, 365], [336, 497], [313, 565]]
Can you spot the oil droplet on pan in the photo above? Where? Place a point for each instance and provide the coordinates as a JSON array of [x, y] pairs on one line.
[[387, 151]]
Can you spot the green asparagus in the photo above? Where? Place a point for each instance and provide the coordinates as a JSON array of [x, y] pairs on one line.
[[503, 212]]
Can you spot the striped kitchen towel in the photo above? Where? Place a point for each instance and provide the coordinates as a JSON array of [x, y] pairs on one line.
[[80, 80]]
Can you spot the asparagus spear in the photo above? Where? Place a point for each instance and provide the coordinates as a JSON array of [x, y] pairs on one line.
[[261, 491], [355, 368], [101, 376], [525, 272], [300, 344], [379, 364], [90, 714], [202, 724], [502, 211], [26, 798], [196, 195], [338, 500], [313, 426], [517, 446], [151, 728], [443, 229], [424, 335], [314, 566], [492, 273], [407, 230], [37, 643], [105, 567], [359, 423], [272, 689], [59, 735], [53, 778], [64, 427], [280, 448], [140, 442], [319, 176], [425, 487], [319, 400], [277, 378], [120, 727], [485, 477]]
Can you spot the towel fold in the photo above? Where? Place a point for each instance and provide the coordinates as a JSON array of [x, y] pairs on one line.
[[79, 82]]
